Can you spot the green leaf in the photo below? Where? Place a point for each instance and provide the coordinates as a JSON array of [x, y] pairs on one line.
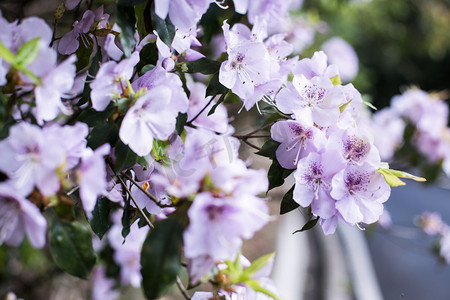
[[336, 80], [253, 284], [310, 224], [181, 121], [268, 149], [6, 54], [277, 174], [164, 28], [392, 176], [102, 134], [215, 87], [204, 66], [125, 157], [288, 204], [161, 257], [160, 149], [96, 118], [127, 217], [213, 109], [343, 106], [126, 20], [71, 247], [258, 264], [369, 105], [28, 52], [100, 220], [148, 56]]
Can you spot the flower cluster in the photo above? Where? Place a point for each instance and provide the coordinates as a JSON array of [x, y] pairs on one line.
[[121, 131], [327, 143], [428, 116]]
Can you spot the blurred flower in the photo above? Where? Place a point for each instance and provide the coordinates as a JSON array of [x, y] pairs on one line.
[[19, 217]]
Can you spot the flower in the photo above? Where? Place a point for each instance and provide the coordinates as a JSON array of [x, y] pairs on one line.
[[343, 55], [91, 176], [18, 217], [297, 139], [111, 80], [31, 158], [150, 117], [360, 192]]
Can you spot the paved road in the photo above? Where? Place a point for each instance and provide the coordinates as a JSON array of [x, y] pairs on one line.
[[405, 266]]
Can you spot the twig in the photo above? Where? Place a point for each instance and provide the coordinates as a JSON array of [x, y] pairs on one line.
[[144, 191], [259, 129], [182, 289], [243, 137], [251, 145], [135, 202], [201, 111]]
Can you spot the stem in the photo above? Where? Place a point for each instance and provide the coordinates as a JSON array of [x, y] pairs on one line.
[[182, 289], [251, 145], [201, 111], [242, 137], [144, 191], [134, 201]]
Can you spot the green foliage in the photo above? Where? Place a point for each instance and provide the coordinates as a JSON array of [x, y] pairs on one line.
[[181, 121], [164, 28], [287, 203], [308, 225], [392, 177], [100, 220], [215, 87], [204, 66], [213, 109], [161, 257], [125, 157], [102, 134], [277, 174], [71, 247], [126, 20], [269, 148]]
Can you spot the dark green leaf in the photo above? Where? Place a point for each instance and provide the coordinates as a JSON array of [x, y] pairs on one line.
[[96, 118], [125, 157], [28, 52], [269, 148], [288, 204], [310, 224], [93, 69], [126, 20], [164, 28], [215, 87], [203, 65], [160, 257], [213, 109], [181, 120], [6, 54], [71, 247], [100, 221], [127, 216], [277, 174], [148, 56], [102, 134], [130, 2]]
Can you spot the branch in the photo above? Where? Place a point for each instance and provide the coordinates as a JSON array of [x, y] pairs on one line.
[[144, 191], [182, 289], [135, 202], [201, 111]]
